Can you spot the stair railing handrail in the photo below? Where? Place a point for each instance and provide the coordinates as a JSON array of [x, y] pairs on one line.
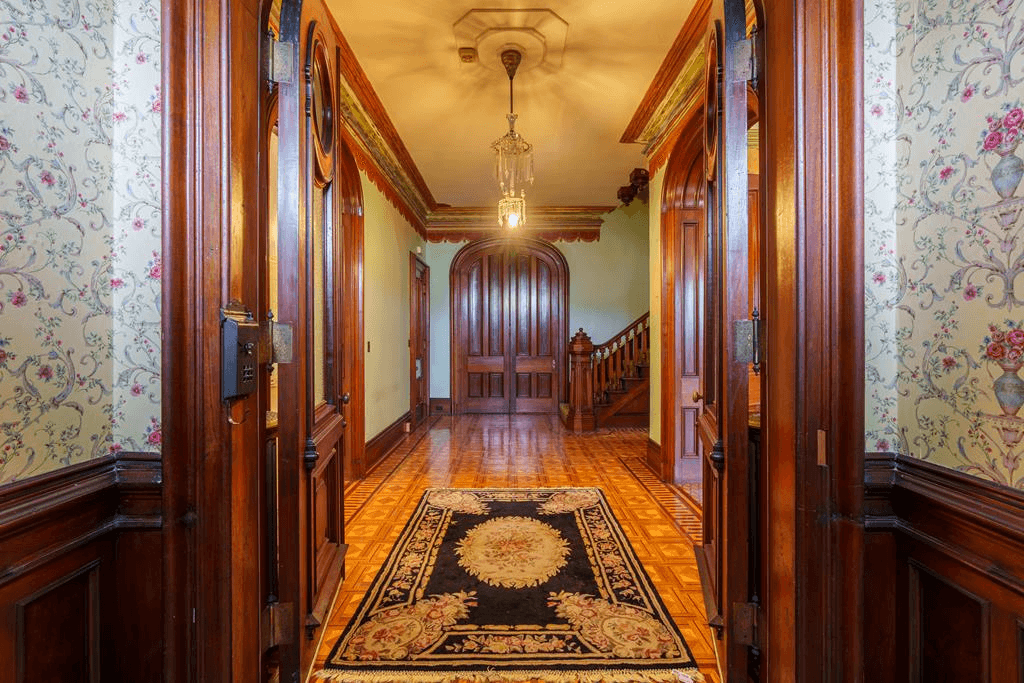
[[644, 320]]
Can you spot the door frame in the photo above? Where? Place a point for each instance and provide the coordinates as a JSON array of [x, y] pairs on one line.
[[814, 282], [467, 253], [814, 338]]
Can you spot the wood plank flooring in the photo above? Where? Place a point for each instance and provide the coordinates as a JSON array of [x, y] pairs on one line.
[[526, 451]]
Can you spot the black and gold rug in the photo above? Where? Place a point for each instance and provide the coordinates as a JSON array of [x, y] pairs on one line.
[[509, 585]]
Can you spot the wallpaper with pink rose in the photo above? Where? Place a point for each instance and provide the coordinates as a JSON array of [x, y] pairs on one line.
[[80, 261], [944, 214]]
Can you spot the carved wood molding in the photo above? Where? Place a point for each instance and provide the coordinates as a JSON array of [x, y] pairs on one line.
[[48, 516], [668, 84], [550, 223], [976, 522], [375, 142]]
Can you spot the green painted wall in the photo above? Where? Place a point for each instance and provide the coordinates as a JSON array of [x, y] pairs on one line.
[[439, 258], [654, 206], [608, 286], [608, 279], [388, 240]]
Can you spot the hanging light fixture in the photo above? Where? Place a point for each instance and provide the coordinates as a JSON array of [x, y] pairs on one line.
[[513, 157]]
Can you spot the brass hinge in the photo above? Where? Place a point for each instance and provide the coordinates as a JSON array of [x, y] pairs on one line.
[[745, 56], [276, 619], [744, 623], [743, 341], [278, 58], [747, 341], [277, 341]]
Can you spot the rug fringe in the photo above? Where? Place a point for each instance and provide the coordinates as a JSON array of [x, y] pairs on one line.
[[549, 676]]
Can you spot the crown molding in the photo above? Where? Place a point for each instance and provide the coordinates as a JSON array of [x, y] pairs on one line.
[[377, 147], [551, 223], [672, 79]]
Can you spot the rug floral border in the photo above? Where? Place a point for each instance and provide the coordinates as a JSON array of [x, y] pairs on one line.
[[619, 631]]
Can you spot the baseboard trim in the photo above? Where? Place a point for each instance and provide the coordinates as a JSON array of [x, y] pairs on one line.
[[382, 444], [441, 406], [654, 458]]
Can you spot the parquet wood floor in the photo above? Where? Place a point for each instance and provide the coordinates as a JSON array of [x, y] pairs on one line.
[[526, 451]]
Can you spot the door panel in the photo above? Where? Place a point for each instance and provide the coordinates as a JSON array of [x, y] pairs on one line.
[[486, 303], [509, 307], [534, 308]]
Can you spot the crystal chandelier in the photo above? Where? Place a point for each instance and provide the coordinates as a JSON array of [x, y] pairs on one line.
[[513, 157]]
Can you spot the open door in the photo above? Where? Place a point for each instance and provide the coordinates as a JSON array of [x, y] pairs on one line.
[[419, 340], [728, 559], [311, 223]]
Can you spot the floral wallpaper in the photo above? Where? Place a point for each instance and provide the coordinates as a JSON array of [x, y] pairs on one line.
[[944, 224], [80, 259]]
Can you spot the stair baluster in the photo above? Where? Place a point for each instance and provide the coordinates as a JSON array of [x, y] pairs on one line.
[[608, 380]]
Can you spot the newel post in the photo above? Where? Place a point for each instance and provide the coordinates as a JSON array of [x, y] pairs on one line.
[[581, 378]]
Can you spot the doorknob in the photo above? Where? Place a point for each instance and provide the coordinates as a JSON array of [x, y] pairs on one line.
[[697, 396], [345, 398]]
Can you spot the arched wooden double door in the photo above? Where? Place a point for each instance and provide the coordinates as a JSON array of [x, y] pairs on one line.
[[509, 327]]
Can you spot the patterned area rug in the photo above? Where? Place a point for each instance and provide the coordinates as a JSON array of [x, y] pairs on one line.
[[511, 585]]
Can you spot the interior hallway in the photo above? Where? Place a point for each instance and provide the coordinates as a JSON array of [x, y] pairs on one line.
[[479, 451]]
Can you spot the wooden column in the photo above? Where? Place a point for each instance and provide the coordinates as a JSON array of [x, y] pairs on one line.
[[581, 389]]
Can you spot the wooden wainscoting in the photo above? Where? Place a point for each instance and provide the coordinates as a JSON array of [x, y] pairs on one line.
[[381, 445], [81, 574], [944, 575]]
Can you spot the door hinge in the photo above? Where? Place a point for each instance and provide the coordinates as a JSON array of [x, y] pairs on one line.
[[745, 55], [743, 341], [276, 619], [745, 623], [277, 341], [279, 59]]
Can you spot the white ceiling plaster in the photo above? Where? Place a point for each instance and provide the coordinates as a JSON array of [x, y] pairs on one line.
[[448, 113]]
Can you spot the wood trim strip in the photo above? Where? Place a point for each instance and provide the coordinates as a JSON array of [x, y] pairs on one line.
[[382, 444]]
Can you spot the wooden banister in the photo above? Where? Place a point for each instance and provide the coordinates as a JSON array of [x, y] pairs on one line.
[[596, 371]]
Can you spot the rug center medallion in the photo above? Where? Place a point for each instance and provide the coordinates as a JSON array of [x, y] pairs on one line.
[[513, 552]]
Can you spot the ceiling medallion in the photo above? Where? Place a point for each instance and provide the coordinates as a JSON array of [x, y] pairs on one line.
[[513, 156], [539, 33]]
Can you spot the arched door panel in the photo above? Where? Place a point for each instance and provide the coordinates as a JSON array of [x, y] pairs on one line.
[[509, 327]]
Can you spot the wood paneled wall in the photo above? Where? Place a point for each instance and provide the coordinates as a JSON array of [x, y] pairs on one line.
[[943, 575], [81, 574]]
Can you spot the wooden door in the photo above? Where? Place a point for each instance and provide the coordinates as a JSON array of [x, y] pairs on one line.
[[419, 339], [728, 555], [306, 270], [480, 347], [509, 327], [536, 313]]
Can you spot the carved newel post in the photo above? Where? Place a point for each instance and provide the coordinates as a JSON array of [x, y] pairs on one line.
[[581, 383]]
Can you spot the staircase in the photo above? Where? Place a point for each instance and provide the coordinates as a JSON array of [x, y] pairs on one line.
[[609, 384]]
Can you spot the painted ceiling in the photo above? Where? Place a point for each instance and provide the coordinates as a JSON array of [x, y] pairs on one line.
[[573, 106]]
